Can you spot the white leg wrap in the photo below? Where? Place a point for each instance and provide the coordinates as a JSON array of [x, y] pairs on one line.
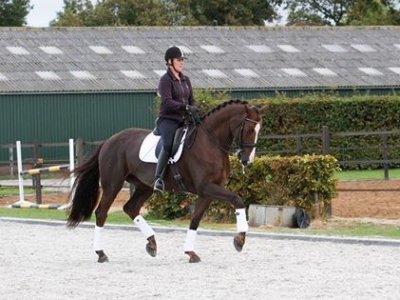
[[189, 242], [146, 230], [98, 240], [241, 222]]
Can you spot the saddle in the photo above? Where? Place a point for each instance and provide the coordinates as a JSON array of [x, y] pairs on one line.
[[151, 146]]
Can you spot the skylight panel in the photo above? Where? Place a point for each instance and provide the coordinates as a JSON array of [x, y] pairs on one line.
[[133, 74], [51, 50], [334, 48], [246, 72], [260, 48], [325, 71], [133, 49], [371, 71], [47, 75], [293, 72], [159, 72], [82, 75], [214, 73], [397, 46], [18, 50], [395, 70], [212, 49], [288, 48], [363, 47], [3, 77], [100, 49]]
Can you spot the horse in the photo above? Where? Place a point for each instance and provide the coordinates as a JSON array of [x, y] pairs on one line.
[[204, 168]]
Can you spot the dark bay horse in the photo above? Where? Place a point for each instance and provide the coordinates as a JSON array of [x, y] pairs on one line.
[[204, 167]]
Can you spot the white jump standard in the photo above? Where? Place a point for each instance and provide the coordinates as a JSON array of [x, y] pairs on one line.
[[22, 203]]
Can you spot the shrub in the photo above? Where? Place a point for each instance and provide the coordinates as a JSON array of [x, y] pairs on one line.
[[298, 181]]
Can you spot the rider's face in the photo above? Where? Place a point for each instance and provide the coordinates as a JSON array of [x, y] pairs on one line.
[[178, 64]]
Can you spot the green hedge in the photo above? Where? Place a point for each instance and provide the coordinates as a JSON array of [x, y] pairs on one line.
[[296, 181], [310, 113]]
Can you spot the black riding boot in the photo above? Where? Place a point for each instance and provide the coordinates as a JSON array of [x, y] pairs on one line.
[[160, 170]]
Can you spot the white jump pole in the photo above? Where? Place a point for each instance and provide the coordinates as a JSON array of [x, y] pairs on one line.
[[71, 175], [71, 163], [20, 177]]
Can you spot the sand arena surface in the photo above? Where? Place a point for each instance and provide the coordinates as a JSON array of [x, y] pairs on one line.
[[52, 262]]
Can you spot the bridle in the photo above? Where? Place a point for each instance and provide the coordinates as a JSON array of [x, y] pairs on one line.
[[240, 137]]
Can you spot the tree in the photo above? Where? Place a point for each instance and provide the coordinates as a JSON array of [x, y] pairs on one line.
[[14, 12], [342, 12], [234, 12], [373, 12], [166, 12], [76, 13], [317, 12]]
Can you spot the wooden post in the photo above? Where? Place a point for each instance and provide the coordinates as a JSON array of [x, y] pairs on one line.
[[325, 140], [34, 161], [299, 150], [385, 157], [38, 188]]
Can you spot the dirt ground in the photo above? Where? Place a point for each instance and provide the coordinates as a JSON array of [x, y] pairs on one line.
[[53, 262], [368, 199], [362, 199]]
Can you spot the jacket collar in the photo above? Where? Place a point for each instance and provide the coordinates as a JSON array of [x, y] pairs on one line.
[[169, 72]]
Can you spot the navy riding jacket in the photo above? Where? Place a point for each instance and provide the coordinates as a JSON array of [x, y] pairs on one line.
[[175, 95]]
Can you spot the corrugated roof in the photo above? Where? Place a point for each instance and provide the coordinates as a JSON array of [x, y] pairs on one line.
[[46, 59]]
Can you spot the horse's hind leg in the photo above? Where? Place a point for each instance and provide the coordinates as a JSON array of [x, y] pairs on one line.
[[107, 198], [132, 209]]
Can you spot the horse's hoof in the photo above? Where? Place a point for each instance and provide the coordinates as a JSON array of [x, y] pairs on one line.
[[150, 250], [194, 258], [102, 257], [239, 241], [151, 246]]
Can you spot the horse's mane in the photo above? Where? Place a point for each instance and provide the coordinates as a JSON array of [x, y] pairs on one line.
[[224, 104]]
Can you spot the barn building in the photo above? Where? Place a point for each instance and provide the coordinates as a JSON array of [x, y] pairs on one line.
[[58, 83]]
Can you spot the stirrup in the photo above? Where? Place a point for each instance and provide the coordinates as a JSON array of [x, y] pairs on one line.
[[159, 186]]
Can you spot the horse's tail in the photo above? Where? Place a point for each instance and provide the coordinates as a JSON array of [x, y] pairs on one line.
[[86, 190]]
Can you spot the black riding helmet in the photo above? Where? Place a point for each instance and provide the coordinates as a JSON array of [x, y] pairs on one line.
[[174, 52]]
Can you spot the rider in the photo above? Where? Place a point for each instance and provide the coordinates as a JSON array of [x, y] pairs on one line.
[[176, 94]]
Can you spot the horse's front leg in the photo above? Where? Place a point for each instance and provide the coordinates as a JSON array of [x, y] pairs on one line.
[[201, 206], [242, 227], [217, 192]]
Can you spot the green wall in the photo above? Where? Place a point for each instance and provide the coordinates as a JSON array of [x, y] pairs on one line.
[[51, 118]]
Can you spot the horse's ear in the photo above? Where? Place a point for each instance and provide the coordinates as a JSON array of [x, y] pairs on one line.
[[263, 109]]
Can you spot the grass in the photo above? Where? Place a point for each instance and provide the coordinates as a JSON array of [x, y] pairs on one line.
[[367, 175], [13, 191], [365, 230], [328, 229]]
